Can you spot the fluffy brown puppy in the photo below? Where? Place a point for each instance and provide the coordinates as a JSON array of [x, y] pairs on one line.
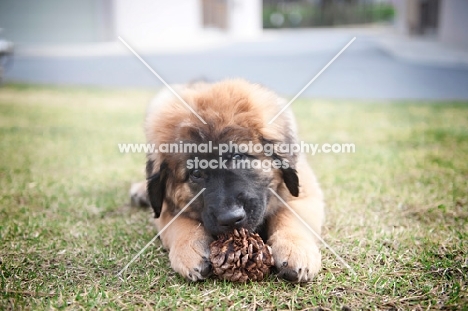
[[235, 195]]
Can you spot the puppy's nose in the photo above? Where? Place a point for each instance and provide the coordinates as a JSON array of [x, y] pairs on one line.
[[232, 218]]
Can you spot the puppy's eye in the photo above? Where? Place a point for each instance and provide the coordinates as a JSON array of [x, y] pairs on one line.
[[237, 157], [196, 174]]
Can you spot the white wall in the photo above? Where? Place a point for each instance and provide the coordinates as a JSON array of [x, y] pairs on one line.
[[400, 19], [245, 18], [144, 22], [453, 22]]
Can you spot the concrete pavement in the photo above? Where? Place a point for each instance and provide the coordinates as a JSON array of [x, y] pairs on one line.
[[378, 65]]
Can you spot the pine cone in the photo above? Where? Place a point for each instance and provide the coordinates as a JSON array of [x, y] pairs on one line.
[[240, 256]]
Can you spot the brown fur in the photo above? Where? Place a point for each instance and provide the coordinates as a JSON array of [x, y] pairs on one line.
[[234, 110]]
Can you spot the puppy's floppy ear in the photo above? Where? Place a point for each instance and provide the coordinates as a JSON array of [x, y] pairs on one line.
[[289, 174], [291, 180], [156, 186]]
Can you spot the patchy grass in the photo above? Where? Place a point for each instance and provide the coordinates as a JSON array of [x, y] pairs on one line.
[[397, 208]]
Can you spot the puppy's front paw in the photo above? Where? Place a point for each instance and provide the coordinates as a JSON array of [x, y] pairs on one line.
[[191, 259], [297, 259]]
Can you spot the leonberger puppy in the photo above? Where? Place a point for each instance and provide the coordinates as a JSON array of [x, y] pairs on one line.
[[236, 112]]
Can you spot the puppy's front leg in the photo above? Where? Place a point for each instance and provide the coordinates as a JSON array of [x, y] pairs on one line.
[[295, 249], [188, 245], [294, 245]]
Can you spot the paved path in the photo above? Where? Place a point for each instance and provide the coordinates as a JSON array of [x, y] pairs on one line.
[[285, 61]]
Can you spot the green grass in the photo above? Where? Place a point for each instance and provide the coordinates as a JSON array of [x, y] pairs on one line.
[[397, 209]]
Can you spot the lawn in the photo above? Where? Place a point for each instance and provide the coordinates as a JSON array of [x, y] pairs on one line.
[[397, 208]]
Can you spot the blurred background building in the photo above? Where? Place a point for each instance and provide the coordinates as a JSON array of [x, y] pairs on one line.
[[405, 49], [69, 21], [445, 19]]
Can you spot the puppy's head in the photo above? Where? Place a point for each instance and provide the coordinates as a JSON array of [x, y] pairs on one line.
[[223, 157]]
